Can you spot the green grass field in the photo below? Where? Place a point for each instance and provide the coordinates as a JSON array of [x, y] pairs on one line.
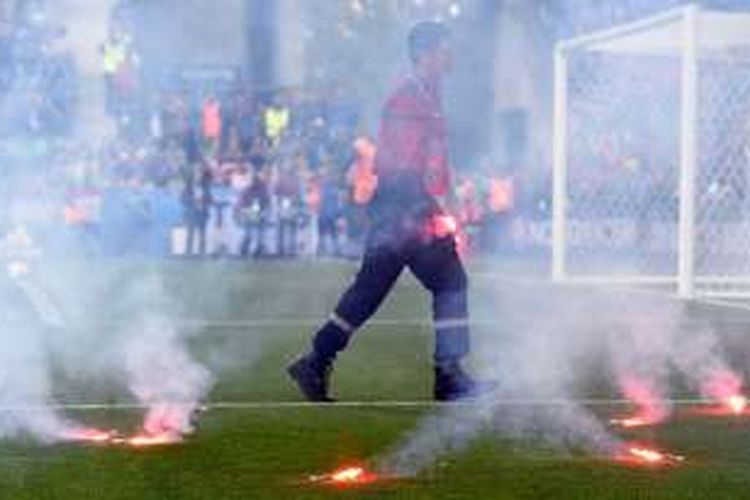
[[248, 320]]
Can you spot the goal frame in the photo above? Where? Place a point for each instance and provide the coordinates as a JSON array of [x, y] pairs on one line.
[[675, 32]]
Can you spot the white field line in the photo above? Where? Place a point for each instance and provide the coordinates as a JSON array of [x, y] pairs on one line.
[[495, 278], [425, 323], [272, 405], [297, 322]]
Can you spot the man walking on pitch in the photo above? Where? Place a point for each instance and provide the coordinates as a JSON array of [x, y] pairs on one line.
[[409, 228]]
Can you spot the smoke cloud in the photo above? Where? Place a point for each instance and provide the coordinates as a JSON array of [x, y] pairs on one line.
[[145, 353], [549, 345]]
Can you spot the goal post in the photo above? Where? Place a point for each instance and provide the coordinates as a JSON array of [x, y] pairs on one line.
[[651, 163]]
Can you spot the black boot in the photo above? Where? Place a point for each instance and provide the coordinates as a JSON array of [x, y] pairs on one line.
[[312, 375], [453, 383]]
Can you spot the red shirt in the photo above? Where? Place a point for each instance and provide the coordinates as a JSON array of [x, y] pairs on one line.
[[413, 136]]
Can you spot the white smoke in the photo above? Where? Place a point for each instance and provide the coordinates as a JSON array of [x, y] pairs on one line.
[[639, 350], [542, 354], [26, 403], [152, 352], [163, 376], [146, 353]]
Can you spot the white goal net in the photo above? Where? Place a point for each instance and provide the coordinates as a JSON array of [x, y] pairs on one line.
[[652, 154]]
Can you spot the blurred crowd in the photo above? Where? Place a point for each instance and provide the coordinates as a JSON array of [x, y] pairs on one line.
[[268, 174], [207, 168], [37, 76]]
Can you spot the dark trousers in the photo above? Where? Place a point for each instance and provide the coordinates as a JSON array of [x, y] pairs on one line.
[[287, 238], [196, 230], [254, 240], [436, 265]]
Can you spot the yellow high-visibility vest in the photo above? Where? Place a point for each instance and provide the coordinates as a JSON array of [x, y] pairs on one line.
[[114, 56], [277, 119]]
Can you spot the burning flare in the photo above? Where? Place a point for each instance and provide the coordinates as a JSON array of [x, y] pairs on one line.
[[165, 425], [737, 404], [144, 439], [346, 476], [637, 454], [89, 435], [641, 420], [731, 406], [725, 387], [652, 409]]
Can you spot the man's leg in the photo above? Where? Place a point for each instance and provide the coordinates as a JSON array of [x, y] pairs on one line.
[[439, 268], [380, 269]]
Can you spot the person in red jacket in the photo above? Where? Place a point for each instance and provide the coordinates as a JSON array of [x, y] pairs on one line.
[[410, 227]]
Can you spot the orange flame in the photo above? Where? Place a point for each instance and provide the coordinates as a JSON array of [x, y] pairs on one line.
[[649, 456], [145, 439], [737, 404], [636, 454], [89, 435], [346, 476], [734, 406], [636, 421]]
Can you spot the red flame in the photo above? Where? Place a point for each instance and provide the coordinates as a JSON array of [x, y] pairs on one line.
[[724, 387], [732, 406], [641, 455], [346, 476], [651, 409]]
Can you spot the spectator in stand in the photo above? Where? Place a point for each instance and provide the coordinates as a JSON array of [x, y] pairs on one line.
[[191, 148], [258, 153], [126, 84], [277, 117], [196, 199], [211, 124], [220, 211], [286, 194], [248, 125], [114, 54], [176, 116], [311, 197], [232, 147], [252, 212], [330, 212], [156, 119]]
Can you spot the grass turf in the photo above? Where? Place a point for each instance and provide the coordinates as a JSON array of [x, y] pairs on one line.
[[268, 452]]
